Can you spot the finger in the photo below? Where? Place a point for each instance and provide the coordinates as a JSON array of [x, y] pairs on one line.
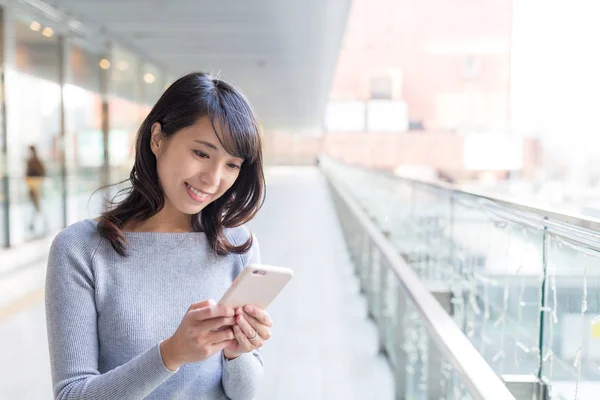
[[215, 348], [245, 344], [215, 324], [259, 314], [255, 325], [221, 336], [202, 314], [248, 329], [202, 304]]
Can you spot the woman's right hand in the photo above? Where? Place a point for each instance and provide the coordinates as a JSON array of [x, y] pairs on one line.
[[205, 329]]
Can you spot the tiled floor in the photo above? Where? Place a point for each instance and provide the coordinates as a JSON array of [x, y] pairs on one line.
[[323, 347]]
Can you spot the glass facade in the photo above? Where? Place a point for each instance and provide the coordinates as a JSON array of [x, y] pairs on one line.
[[3, 159], [153, 82], [36, 186], [123, 114], [68, 127], [84, 138]]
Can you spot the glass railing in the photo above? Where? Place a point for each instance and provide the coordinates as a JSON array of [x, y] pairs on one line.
[[431, 356], [522, 283]]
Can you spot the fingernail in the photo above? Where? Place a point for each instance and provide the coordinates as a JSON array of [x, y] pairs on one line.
[[250, 309]]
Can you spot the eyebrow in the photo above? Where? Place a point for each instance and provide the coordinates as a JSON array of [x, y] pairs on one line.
[[212, 146], [207, 144]]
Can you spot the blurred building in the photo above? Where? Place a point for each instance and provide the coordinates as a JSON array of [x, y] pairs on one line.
[[422, 84], [449, 62]]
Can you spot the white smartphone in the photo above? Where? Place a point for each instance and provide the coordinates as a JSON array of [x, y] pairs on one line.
[[257, 285]]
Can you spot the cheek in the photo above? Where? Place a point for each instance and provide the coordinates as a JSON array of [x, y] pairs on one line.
[[170, 171], [227, 182]]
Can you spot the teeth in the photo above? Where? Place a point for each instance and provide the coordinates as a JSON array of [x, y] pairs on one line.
[[196, 192]]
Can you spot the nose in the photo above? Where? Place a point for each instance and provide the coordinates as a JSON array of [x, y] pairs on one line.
[[212, 177]]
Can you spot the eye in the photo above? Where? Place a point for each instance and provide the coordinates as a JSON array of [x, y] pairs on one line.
[[234, 166], [201, 154]]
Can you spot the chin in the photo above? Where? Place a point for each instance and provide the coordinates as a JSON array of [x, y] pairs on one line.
[[191, 210]]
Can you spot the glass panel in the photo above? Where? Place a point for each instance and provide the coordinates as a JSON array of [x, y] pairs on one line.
[[124, 123], [451, 386], [34, 159], [500, 268], [84, 141], [430, 228], [3, 166], [85, 68], [152, 87], [125, 116], [124, 74], [572, 322]]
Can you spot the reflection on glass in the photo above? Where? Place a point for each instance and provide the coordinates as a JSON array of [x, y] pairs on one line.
[[124, 116], [84, 141], [124, 121], [3, 173], [84, 146], [152, 87], [36, 120], [500, 267], [572, 322], [36, 202], [123, 79], [104, 63]]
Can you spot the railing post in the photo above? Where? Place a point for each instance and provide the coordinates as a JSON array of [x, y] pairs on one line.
[[543, 298], [526, 387], [365, 263], [401, 358], [384, 313], [374, 295]]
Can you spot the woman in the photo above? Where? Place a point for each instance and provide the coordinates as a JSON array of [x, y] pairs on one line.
[[123, 316]]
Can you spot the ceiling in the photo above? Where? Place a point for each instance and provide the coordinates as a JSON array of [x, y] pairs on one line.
[[281, 53]]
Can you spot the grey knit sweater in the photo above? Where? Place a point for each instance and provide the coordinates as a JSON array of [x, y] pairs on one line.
[[107, 314]]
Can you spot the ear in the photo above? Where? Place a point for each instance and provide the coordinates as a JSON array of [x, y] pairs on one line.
[[157, 139]]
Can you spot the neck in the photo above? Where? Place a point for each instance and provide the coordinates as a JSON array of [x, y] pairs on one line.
[[166, 220]]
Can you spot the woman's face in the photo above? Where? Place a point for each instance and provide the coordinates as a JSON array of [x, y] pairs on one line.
[[193, 168]]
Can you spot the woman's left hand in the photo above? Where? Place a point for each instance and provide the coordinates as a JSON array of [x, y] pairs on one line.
[[252, 329]]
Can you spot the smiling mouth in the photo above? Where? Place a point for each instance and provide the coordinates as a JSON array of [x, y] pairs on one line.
[[199, 194]]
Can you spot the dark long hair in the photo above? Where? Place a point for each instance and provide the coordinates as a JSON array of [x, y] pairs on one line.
[[191, 97]]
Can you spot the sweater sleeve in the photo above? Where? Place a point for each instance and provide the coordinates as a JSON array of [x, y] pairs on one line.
[[242, 376], [71, 320]]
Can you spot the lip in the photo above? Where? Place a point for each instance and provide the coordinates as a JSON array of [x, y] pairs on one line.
[[194, 197]]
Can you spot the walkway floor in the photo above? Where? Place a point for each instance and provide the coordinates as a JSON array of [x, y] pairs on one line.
[[323, 346]]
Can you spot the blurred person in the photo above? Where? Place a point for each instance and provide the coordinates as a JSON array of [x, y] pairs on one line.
[[129, 296], [34, 177]]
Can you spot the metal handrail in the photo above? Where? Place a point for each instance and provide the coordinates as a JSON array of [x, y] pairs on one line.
[[563, 216], [476, 374]]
